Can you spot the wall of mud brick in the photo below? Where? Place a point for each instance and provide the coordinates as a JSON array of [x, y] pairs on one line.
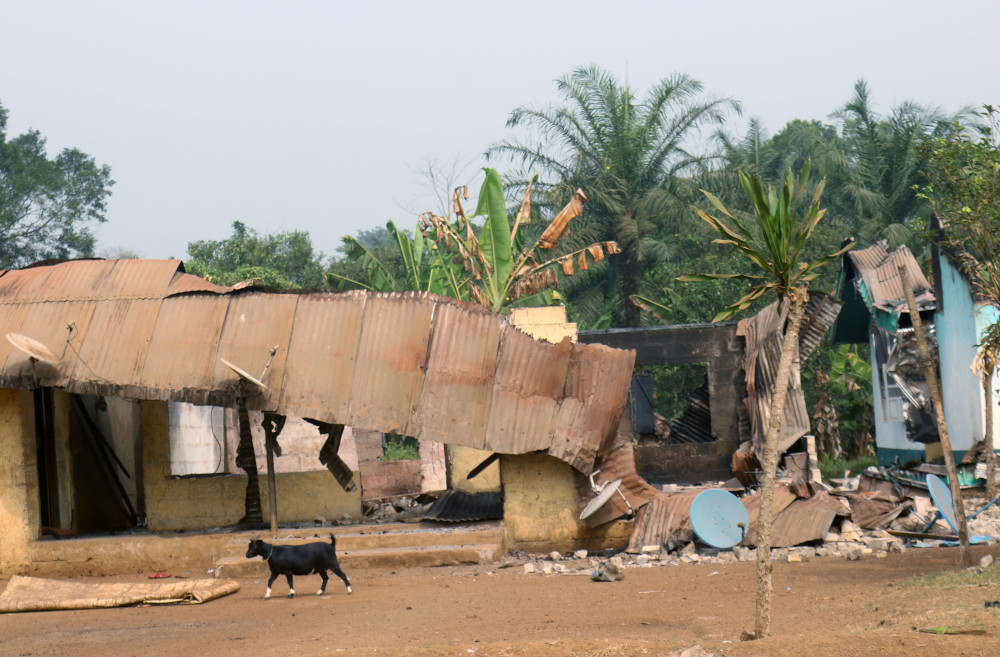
[[18, 483], [541, 509]]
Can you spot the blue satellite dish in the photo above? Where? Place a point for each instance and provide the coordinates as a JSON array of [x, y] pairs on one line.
[[943, 499], [716, 516]]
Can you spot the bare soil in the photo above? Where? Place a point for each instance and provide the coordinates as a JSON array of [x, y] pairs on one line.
[[828, 606]]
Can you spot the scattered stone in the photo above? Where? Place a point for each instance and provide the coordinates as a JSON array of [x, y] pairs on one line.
[[831, 537], [607, 571], [986, 561], [642, 560], [529, 568], [694, 651], [547, 567], [687, 549], [555, 556], [650, 549], [881, 554], [559, 568], [580, 554]]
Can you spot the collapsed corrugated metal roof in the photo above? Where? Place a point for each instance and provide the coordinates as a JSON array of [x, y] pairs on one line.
[[878, 271], [412, 363], [764, 333], [460, 506]]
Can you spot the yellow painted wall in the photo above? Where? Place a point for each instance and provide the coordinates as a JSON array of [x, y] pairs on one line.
[[18, 484], [544, 323], [462, 460], [541, 511], [181, 503]]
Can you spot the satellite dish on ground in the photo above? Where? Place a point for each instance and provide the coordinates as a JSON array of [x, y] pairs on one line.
[[607, 491], [35, 349], [943, 499], [719, 518], [243, 374]]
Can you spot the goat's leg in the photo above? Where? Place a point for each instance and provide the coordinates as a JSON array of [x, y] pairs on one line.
[[270, 581], [335, 568], [322, 587], [291, 589]]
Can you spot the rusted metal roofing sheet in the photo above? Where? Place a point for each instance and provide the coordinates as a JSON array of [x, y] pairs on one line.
[[414, 363], [455, 400], [392, 352], [616, 463], [879, 271], [804, 521], [530, 380], [656, 521], [321, 356], [582, 429]]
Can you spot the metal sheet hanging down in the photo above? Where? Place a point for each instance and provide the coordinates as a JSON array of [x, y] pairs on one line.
[[455, 400], [392, 355], [322, 353], [583, 428], [658, 520], [618, 462], [530, 379]]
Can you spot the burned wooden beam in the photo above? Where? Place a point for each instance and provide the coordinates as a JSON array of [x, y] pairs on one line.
[[328, 453]]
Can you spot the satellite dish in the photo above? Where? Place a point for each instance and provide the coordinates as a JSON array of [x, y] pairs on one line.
[[35, 349], [717, 516], [606, 492], [943, 499], [243, 374]]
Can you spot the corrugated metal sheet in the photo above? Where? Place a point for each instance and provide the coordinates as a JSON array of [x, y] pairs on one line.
[[656, 521], [455, 401], [322, 353], [460, 506], [764, 333], [530, 380], [421, 365], [583, 430], [695, 423], [617, 463], [804, 521], [879, 271], [392, 352]]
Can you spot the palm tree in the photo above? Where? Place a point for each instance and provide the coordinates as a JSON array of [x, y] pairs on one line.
[[882, 163], [774, 242], [630, 158]]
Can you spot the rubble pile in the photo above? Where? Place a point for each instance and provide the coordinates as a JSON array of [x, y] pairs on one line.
[[848, 541]]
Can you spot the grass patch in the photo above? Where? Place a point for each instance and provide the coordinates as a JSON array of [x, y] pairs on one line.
[[831, 469], [399, 448], [955, 579]]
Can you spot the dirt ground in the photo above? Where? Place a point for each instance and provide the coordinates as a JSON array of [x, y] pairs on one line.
[[828, 606]]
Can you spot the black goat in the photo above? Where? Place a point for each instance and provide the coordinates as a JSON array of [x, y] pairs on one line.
[[304, 559]]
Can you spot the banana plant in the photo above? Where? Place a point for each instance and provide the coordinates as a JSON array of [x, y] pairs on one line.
[[492, 268]]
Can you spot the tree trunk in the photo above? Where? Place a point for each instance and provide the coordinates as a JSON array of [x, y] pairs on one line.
[[789, 347], [991, 457], [965, 556]]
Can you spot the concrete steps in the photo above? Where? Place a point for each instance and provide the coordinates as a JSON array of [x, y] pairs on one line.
[[390, 546]]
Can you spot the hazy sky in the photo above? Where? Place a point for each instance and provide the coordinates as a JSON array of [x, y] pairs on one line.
[[313, 115]]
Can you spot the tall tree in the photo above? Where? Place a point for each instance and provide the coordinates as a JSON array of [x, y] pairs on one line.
[[630, 158], [773, 241], [963, 186], [883, 165], [47, 205], [283, 260]]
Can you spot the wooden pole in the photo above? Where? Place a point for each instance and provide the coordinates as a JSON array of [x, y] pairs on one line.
[[965, 555]]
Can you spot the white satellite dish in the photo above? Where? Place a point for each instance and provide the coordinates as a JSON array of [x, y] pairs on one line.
[[35, 349], [607, 491], [243, 374]]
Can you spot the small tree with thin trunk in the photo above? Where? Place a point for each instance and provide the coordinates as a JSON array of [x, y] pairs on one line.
[[773, 239]]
